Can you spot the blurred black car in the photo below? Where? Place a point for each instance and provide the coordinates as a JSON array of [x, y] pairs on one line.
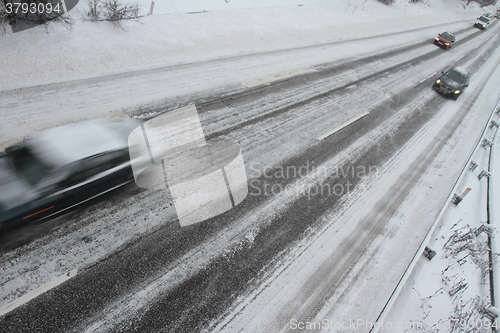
[[62, 168], [452, 83]]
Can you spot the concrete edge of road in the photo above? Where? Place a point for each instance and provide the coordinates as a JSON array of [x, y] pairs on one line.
[[413, 264]]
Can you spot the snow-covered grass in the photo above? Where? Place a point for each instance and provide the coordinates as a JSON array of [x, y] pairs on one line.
[[172, 35]]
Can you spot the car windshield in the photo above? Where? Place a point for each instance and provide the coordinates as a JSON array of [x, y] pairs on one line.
[[28, 166], [484, 19], [456, 76], [446, 36]]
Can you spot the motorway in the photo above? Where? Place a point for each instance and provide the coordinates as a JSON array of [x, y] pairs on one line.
[[138, 270]]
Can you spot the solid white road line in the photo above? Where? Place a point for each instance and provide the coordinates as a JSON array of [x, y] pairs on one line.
[[380, 52], [34, 293], [278, 77], [342, 126], [369, 55], [428, 77]]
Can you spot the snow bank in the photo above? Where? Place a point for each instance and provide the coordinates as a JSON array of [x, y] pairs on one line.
[[172, 35]]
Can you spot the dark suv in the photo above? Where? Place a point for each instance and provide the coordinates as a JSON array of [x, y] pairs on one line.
[[452, 83]]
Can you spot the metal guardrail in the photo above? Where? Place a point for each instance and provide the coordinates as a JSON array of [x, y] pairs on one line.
[[493, 240]]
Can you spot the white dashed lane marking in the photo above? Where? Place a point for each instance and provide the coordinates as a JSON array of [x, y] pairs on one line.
[[37, 292]]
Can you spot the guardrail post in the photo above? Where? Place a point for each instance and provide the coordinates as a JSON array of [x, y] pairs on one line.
[[151, 8], [487, 143], [458, 198], [484, 174], [429, 253], [472, 166], [488, 228]]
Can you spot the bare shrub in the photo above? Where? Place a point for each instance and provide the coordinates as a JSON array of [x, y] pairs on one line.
[[112, 10], [95, 9], [386, 2], [3, 19], [117, 11]]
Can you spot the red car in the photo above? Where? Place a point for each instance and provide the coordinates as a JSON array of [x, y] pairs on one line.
[[445, 40]]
